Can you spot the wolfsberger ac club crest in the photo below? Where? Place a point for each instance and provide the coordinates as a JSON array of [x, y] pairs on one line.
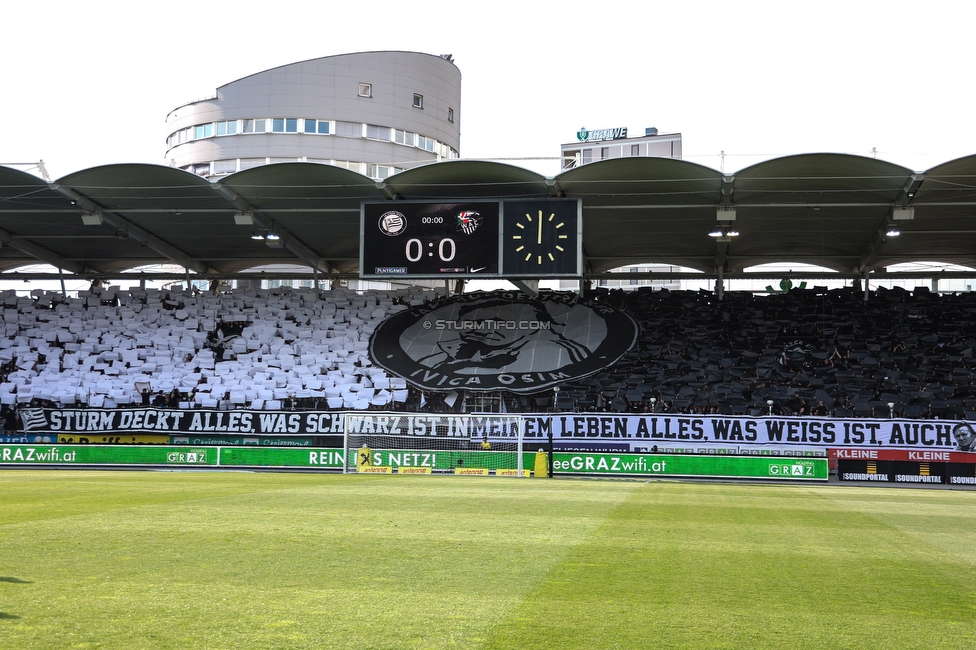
[[501, 341]]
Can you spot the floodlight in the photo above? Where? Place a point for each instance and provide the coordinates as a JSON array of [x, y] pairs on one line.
[[92, 218], [244, 218]]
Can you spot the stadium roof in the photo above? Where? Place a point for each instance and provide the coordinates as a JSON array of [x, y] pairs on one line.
[[830, 210]]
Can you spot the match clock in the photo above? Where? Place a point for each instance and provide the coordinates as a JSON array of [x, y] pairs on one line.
[[541, 238]]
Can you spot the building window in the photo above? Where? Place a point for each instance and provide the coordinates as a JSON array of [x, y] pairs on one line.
[[255, 126], [418, 101], [374, 132], [316, 126], [202, 131], [349, 129], [403, 137], [365, 90], [225, 166], [284, 125], [635, 150], [227, 128], [377, 171], [587, 156], [351, 166], [450, 115], [604, 153]]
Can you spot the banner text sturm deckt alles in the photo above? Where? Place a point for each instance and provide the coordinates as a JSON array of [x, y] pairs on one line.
[[179, 421], [635, 430]]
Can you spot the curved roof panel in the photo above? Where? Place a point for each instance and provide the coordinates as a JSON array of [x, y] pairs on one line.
[[467, 179], [645, 210], [831, 210], [943, 223]]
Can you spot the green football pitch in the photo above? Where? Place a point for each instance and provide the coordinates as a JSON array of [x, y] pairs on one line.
[[255, 560]]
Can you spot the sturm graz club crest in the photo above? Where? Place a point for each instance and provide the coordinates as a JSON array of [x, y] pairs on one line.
[[392, 223], [501, 341]]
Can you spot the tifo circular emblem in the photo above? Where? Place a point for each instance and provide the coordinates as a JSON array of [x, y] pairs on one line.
[[501, 341], [392, 223]]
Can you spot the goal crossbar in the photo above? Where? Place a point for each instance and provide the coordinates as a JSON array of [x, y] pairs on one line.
[[440, 442]]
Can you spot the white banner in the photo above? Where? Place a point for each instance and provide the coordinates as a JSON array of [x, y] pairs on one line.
[[729, 432], [570, 431]]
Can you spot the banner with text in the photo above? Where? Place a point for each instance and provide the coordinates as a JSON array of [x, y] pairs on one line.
[[579, 431], [805, 469], [698, 433], [92, 423], [107, 455]]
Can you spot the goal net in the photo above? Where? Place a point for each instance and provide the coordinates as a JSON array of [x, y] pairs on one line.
[[432, 443]]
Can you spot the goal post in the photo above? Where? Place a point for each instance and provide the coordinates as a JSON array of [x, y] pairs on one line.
[[489, 444]]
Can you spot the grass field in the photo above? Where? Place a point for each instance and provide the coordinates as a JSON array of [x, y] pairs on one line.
[[245, 560]]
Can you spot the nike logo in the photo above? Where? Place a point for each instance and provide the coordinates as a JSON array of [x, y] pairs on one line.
[[479, 269]]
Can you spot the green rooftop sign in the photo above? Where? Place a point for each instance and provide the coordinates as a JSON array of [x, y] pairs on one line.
[[618, 133]]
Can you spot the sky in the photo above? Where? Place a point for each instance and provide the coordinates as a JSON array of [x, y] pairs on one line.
[[90, 83]]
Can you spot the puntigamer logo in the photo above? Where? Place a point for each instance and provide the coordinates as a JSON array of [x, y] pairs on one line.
[[501, 341]]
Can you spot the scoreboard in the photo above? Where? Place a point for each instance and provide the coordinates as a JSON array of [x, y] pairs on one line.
[[533, 238], [429, 239]]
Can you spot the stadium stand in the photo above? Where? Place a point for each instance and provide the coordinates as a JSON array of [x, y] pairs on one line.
[[810, 352], [261, 349]]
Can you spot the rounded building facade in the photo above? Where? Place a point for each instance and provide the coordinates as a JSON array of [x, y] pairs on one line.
[[376, 113]]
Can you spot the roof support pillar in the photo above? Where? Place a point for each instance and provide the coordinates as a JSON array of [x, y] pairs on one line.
[[530, 287]]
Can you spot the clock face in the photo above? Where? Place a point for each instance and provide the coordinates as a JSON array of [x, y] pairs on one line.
[[541, 238], [529, 239]]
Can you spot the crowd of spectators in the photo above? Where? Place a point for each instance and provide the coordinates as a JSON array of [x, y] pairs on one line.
[[806, 352], [810, 352]]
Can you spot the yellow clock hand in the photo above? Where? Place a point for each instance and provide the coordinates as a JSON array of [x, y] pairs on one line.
[[540, 227]]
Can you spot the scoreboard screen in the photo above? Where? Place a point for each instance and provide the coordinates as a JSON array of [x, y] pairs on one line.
[[430, 240], [512, 238]]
